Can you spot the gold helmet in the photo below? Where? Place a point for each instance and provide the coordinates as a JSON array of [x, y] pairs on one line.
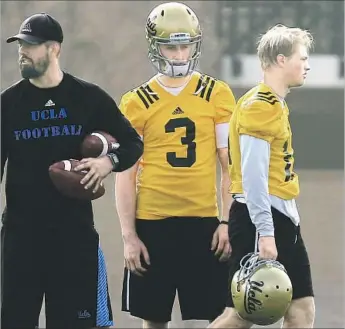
[[173, 23], [261, 290]]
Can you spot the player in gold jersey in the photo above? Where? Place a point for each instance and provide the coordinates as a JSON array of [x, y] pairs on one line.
[[264, 185], [173, 239]]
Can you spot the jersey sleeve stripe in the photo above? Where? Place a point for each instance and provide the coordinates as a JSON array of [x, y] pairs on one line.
[[270, 101], [148, 97], [265, 95], [205, 87], [209, 92], [199, 83], [152, 93], [143, 99]]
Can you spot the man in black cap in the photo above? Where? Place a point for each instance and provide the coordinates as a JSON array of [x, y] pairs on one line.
[[49, 244]]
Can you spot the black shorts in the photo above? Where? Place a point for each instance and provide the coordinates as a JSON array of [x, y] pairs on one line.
[[292, 252], [181, 260], [67, 266]]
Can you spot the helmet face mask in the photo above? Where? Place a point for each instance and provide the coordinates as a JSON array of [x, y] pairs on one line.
[[261, 290], [175, 25], [175, 67]]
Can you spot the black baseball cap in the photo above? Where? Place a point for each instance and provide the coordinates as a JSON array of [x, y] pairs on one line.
[[39, 28]]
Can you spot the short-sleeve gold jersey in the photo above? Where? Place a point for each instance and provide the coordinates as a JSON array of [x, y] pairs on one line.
[[177, 176]]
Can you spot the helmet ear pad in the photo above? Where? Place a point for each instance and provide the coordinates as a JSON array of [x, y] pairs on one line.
[[261, 290]]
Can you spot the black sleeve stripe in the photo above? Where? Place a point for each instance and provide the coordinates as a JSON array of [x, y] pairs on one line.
[[270, 101], [143, 99], [209, 92], [267, 93], [148, 97], [153, 94], [199, 82], [264, 95], [205, 86]]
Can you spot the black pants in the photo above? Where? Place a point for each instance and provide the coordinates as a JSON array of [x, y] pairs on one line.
[[65, 265], [182, 261], [292, 252]]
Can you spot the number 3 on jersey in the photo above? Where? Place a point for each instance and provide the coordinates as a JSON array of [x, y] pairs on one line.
[[187, 140]]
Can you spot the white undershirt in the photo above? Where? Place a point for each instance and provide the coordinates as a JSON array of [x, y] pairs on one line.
[[255, 159]]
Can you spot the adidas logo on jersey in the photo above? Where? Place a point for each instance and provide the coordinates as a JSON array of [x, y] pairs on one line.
[[178, 110], [50, 103]]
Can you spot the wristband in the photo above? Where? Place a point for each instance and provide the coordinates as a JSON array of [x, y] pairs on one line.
[[224, 222], [114, 160]]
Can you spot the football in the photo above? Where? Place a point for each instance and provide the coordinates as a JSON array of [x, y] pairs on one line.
[[67, 181], [97, 144]]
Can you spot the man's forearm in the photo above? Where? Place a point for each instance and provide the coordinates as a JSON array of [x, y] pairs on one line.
[[255, 155], [224, 183], [125, 194], [226, 198]]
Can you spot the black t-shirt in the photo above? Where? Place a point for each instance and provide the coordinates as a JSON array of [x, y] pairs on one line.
[[42, 126]]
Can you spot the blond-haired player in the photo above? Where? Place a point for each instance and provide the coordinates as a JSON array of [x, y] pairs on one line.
[[173, 239], [264, 184]]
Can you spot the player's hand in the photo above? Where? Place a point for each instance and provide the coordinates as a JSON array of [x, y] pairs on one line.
[[98, 169], [220, 243], [267, 248], [134, 248]]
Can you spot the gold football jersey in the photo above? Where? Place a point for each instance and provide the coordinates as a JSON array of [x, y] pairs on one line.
[[177, 175], [260, 113]]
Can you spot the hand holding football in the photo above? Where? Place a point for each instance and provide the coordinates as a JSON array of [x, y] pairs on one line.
[[67, 181]]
